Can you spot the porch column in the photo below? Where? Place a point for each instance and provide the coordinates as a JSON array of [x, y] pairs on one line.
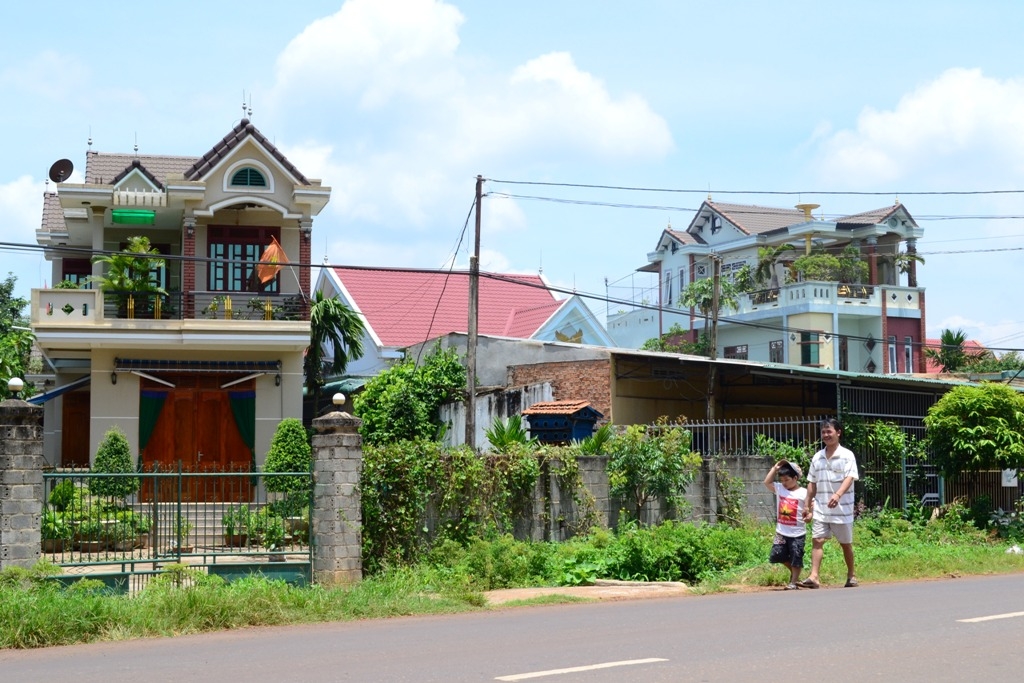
[[188, 267], [305, 254], [21, 483], [873, 260], [336, 518], [912, 264]]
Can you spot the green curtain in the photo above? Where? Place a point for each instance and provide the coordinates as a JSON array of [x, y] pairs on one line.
[[243, 407], [151, 404]]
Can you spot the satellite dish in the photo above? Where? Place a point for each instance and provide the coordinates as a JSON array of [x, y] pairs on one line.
[[61, 170]]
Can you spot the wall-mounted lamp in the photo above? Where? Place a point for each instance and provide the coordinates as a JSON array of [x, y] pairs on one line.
[[15, 385], [307, 231], [113, 378], [190, 227], [277, 380]]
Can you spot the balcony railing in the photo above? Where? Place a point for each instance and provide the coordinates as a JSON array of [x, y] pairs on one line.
[[86, 306]]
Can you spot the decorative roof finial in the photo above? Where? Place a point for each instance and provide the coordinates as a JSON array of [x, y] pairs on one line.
[[90, 138], [136, 144]]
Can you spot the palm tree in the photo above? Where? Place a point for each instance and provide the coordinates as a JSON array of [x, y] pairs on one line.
[[952, 354], [129, 272], [331, 323], [767, 257]]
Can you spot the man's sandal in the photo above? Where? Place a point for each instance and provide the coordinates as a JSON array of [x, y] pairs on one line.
[[807, 583], [851, 582]]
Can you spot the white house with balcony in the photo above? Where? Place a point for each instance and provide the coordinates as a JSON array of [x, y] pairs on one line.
[[869, 323], [198, 369]]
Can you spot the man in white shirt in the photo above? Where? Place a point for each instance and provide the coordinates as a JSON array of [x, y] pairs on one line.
[[830, 481]]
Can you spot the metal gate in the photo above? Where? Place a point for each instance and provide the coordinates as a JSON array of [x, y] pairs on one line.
[[123, 528]]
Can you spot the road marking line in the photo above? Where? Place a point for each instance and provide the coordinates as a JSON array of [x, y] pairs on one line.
[[591, 667], [1008, 615]]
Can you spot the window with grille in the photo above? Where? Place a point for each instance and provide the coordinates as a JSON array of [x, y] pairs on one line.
[[775, 351], [892, 354], [233, 253], [736, 352], [908, 354], [810, 352]]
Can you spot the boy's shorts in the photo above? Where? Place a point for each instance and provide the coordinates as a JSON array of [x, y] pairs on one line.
[[842, 532], [787, 549]]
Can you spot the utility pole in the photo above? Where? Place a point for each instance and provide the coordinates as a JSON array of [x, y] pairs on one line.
[[474, 307], [716, 269]]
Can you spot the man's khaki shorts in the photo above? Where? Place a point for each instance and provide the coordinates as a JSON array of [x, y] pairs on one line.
[[842, 532]]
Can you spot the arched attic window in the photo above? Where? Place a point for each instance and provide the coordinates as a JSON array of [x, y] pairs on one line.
[[248, 177]]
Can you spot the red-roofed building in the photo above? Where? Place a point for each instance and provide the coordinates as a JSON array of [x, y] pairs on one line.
[[971, 347], [403, 307]]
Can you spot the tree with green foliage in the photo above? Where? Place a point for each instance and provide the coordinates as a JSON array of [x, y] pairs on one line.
[[128, 274], [822, 266], [700, 295], [651, 461], [289, 452], [675, 341], [975, 428], [403, 402], [765, 273], [114, 456], [952, 354], [331, 324], [15, 339]]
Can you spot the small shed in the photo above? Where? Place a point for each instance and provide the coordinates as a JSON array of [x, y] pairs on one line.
[[561, 421]]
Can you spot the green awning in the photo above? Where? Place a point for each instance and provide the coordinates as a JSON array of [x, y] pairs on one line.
[[133, 216]]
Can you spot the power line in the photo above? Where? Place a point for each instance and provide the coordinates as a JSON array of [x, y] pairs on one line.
[[495, 276], [708, 191]]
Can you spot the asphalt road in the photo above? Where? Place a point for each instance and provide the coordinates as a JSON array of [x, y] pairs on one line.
[[906, 632]]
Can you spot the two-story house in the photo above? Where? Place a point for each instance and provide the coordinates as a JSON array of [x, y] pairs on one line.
[[199, 376], [869, 322]]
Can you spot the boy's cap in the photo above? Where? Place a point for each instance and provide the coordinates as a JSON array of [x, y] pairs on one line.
[[791, 469]]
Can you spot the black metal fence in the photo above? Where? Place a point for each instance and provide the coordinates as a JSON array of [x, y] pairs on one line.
[[116, 525]]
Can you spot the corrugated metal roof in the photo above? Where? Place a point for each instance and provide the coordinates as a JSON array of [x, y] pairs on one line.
[[405, 307]]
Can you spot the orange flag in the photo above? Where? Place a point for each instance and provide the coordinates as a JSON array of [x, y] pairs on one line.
[[270, 262]]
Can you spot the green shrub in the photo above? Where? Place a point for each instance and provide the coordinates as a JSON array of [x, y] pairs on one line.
[[113, 456], [62, 495], [289, 452]]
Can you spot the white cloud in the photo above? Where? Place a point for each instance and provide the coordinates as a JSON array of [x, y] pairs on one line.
[[963, 125], [375, 49], [433, 126], [21, 204]]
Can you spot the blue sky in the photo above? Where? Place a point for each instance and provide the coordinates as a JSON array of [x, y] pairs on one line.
[[399, 104]]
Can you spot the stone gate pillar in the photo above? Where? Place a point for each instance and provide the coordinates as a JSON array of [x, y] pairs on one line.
[[336, 519], [21, 483]]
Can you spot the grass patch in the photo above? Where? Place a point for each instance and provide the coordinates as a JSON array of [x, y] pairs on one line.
[[35, 612]]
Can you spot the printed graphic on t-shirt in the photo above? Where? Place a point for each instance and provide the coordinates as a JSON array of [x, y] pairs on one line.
[[787, 511]]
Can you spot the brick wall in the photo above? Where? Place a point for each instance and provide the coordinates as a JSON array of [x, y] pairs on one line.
[[585, 380]]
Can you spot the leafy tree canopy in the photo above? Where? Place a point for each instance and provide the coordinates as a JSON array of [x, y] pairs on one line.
[[975, 428], [403, 402], [825, 267], [289, 452], [15, 343]]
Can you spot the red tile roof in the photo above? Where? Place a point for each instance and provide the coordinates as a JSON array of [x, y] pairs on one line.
[[557, 408], [406, 307]]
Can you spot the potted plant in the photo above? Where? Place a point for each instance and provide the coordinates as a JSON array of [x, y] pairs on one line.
[[129, 278], [273, 537], [90, 536], [235, 521], [122, 536], [56, 532], [113, 456], [181, 532]]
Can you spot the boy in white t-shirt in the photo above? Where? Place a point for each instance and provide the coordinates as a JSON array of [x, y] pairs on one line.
[[790, 528]]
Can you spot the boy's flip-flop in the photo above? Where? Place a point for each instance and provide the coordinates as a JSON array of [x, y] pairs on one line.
[[851, 583], [807, 583], [791, 587]]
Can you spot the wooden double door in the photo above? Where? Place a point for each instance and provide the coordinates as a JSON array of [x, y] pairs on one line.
[[197, 429]]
